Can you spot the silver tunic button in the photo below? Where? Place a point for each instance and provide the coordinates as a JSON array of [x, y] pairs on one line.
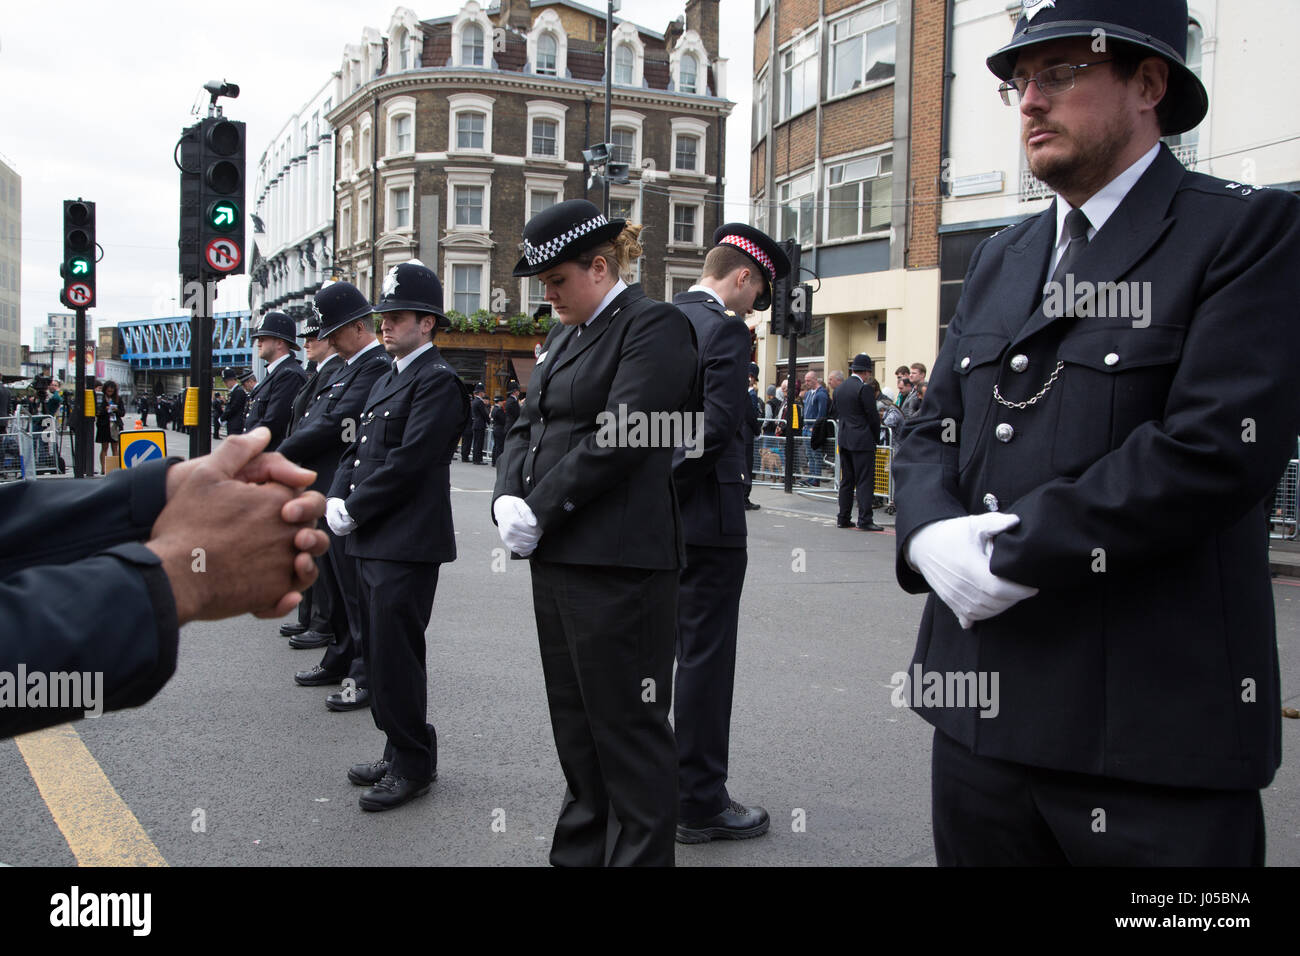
[[965, 363], [306, 415], [1019, 363], [385, 414], [1004, 432], [991, 502], [363, 439], [1111, 359], [357, 463], [352, 487]]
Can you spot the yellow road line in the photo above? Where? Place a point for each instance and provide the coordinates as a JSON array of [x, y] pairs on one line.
[[100, 828]]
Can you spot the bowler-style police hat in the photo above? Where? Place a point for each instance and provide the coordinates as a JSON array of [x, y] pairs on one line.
[[340, 303], [312, 329], [1158, 27], [412, 287], [562, 232], [277, 325], [760, 247], [862, 363], [230, 372], [247, 376]]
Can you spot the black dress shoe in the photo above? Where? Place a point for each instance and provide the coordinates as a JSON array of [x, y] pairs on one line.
[[870, 527], [311, 639], [368, 774], [736, 822], [316, 677], [843, 524], [358, 699], [392, 791], [289, 630], [751, 506]]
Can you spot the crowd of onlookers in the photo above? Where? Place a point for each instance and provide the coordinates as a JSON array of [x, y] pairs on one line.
[[815, 400]]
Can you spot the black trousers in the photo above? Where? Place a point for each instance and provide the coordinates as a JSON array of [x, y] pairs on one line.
[[857, 475], [345, 655], [606, 636], [480, 438], [316, 609], [498, 444], [749, 467], [466, 441], [990, 812], [396, 601], [708, 616]]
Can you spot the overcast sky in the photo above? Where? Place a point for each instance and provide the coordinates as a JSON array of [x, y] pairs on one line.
[[96, 94]]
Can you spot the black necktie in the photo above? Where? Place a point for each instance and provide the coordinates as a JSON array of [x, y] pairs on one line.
[[1076, 224]]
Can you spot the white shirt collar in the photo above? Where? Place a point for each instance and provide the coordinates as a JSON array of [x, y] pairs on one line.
[[270, 369], [704, 288], [610, 296], [326, 360], [374, 343], [404, 362], [1103, 203]]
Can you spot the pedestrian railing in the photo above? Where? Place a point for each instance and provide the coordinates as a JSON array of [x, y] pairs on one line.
[[816, 470], [29, 446], [1283, 521]]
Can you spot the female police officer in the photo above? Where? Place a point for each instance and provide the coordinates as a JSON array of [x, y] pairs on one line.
[[599, 520]]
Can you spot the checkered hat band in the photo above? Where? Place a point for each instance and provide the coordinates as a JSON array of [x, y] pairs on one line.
[[744, 245], [552, 247]]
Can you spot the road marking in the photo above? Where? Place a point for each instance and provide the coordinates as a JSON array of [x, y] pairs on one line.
[[100, 828]]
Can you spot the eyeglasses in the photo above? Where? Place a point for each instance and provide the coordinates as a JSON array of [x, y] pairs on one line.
[[1053, 81]]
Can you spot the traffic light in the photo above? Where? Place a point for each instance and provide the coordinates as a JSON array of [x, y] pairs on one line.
[[190, 164], [78, 269], [783, 290], [221, 197]]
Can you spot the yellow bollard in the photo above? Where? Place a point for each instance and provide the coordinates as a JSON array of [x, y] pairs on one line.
[[191, 406]]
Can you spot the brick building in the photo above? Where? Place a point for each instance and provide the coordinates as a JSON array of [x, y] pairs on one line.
[[450, 133], [845, 159]]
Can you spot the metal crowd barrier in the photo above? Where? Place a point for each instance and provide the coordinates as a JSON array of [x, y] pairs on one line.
[[816, 471], [885, 445], [29, 446], [1284, 522]]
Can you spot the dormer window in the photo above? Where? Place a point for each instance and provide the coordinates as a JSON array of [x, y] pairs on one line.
[[624, 59], [546, 50], [689, 74], [471, 45]]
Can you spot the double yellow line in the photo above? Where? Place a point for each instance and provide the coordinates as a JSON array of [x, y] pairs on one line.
[[100, 828]]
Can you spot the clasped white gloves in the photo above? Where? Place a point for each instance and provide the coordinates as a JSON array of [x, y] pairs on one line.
[[337, 517], [517, 524], [954, 555]]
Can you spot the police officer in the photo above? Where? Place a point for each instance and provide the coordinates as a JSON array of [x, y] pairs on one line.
[[738, 274], [512, 404], [236, 402], [478, 411], [328, 428], [754, 413], [599, 522], [391, 497], [271, 402], [316, 607], [859, 426], [1084, 488], [498, 419]]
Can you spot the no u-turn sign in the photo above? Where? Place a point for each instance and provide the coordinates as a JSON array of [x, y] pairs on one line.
[[223, 255]]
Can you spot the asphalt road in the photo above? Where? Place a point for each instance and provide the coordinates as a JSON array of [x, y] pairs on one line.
[[233, 744]]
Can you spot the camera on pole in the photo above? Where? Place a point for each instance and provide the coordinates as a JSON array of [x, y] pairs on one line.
[[78, 269]]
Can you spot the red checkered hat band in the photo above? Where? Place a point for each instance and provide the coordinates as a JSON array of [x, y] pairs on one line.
[[752, 249]]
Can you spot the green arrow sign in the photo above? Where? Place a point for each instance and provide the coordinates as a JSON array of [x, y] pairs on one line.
[[80, 267], [223, 215]]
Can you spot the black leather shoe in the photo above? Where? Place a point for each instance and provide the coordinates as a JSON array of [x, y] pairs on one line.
[[737, 822], [368, 774], [843, 524], [751, 506], [316, 677], [310, 639], [358, 699], [870, 527], [289, 630], [392, 791]]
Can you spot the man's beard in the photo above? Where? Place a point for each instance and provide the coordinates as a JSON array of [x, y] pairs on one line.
[[1090, 166]]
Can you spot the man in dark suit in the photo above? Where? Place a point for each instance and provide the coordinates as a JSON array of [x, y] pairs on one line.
[[236, 402], [738, 272], [755, 412], [599, 520], [329, 426], [271, 402], [1084, 487], [859, 426], [498, 419], [391, 497], [478, 411], [108, 594], [316, 608]]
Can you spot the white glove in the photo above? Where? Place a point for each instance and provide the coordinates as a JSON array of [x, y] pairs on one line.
[[517, 524], [337, 517], [954, 556]]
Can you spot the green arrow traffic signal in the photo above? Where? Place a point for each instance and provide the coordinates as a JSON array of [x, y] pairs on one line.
[[223, 215], [80, 267]]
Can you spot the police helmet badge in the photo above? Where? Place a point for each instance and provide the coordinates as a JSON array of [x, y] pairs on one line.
[[390, 282], [1034, 7]]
